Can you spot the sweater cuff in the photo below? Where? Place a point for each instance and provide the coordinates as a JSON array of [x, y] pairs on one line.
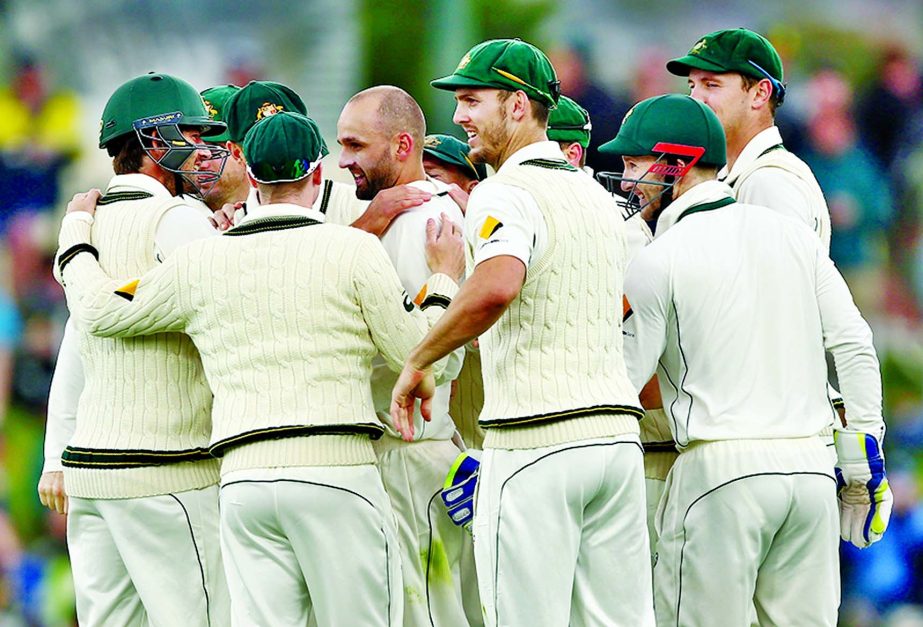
[[440, 290]]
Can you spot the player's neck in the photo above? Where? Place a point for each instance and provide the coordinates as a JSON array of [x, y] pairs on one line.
[[524, 135], [738, 139], [412, 171], [151, 169]]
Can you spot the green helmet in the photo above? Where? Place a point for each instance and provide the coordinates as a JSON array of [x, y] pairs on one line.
[[669, 127], [151, 100], [162, 104], [672, 124]]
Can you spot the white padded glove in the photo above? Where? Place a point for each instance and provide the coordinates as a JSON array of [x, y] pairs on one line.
[[862, 487]]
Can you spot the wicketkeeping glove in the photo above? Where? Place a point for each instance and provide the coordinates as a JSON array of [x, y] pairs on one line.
[[459, 487], [865, 496]]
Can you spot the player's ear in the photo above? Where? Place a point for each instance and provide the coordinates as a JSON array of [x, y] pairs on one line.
[[317, 176], [404, 146]]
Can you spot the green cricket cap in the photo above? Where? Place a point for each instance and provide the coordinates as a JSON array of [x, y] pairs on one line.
[[215, 99], [672, 119], [569, 122], [732, 50], [453, 151], [283, 148], [151, 100], [255, 101], [509, 64]]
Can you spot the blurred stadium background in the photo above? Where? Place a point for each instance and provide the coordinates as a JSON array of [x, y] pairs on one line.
[[854, 112]]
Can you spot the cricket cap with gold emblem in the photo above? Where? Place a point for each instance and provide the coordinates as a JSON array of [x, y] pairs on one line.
[[453, 151], [258, 100], [283, 148], [509, 64], [734, 50], [216, 99]]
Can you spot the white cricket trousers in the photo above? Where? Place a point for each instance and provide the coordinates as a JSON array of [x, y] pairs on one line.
[[312, 538], [744, 525], [154, 560], [560, 536], [434, 551]]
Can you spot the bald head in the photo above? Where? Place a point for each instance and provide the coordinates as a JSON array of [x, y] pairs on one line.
[[395, 111], [381, 132]]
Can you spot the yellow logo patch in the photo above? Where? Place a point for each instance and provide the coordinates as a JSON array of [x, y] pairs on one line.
[[431, 142], [267, 109], [491, 226], [212, 111], [698, 47], [465, 61]]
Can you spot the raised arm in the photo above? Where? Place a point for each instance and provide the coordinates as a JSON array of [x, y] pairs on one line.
[[112, 307]]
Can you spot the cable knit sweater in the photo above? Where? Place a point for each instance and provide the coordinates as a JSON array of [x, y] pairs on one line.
[[287, 314]]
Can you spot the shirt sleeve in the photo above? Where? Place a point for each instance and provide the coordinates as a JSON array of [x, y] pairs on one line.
[[395, 324], [849, 339], [66, 387], [178, 226], [116, 307], [502, 220], [645, 322], [779, 190]]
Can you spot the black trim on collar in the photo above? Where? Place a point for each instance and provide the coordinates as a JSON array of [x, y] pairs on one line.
[[75, 457], [325, 199], [114, 197], [637, 412], [707, 206], [772, 148], [274, 223], [550, 164], [373, 431]]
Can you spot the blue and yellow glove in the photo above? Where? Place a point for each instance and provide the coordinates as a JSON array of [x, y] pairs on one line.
[[862, 487], [459, 488]]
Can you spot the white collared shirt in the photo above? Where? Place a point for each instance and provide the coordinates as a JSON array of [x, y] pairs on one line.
[[405, 243], [523, 233], [733, 307]]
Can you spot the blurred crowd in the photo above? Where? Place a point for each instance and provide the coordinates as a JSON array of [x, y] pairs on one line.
[[864, 141]]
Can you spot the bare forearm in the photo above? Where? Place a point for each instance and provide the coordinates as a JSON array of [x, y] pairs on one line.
[[474, 309]]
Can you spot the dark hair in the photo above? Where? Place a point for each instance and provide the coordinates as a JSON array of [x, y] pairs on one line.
[[127, 154], [750, 82]]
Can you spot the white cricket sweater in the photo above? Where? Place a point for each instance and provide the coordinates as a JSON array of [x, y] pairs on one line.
[[555, 355], [768, 175], [143, 419], [287, 313]]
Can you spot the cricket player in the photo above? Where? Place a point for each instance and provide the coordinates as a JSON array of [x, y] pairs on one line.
[[381, 132], [559, 515], [139, 483], [337, 201], [288, 313], [233, 186], [67, 382], [739, 75], [569, 125], [445, 159], [733, 306]]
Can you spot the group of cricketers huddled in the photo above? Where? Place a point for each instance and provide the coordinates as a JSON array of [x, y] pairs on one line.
[[442, 397]]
